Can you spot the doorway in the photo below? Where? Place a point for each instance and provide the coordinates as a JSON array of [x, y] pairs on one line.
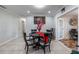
[[69, 29]]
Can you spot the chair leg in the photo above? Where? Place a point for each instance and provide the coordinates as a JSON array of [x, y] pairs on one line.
[[27, 49], [49, 49], [44, 50]]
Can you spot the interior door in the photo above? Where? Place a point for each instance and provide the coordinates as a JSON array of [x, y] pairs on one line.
[[60, 29]]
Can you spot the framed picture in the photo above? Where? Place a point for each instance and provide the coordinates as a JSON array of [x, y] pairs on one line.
[[39, 18]]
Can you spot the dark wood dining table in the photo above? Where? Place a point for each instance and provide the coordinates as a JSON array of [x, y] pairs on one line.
[[42, 39], [36, 37]]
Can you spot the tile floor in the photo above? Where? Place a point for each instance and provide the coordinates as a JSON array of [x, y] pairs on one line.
[[17, 47]]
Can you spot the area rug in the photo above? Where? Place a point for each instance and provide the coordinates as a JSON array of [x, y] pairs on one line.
[[69, 43]]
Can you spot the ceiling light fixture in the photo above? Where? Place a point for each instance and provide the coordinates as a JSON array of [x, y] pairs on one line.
[[49, 12], [39, 6], [28, 11]]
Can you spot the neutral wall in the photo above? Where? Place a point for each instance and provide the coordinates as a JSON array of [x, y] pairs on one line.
[[9, 26], [30, 24]]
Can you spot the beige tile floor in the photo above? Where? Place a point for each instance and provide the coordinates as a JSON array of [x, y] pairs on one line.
[[17, 47]]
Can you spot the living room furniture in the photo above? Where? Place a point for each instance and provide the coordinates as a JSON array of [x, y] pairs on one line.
[[74, 34], [74, 52]]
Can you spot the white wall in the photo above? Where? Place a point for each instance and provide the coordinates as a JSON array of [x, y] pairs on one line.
[[9, 26], [30, 24]]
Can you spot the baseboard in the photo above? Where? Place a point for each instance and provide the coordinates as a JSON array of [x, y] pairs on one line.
[[8, 40]]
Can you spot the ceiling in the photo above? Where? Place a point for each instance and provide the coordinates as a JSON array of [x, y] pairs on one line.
[[72, 14], [21, 10]]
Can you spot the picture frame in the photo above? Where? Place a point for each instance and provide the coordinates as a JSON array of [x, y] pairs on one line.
[[38, 18]]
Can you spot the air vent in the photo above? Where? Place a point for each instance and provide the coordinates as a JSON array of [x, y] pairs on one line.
[[63, 10], [3, 7]]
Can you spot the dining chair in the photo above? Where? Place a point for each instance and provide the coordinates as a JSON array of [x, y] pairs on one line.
[[28, 42], [43, 44], [51, 34], [33, 30]]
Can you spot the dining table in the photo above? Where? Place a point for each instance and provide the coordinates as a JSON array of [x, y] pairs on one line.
[[38, 37]]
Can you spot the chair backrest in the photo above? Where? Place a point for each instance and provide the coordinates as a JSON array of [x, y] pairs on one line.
[[24, 36], [49, 31], [33, 30]]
